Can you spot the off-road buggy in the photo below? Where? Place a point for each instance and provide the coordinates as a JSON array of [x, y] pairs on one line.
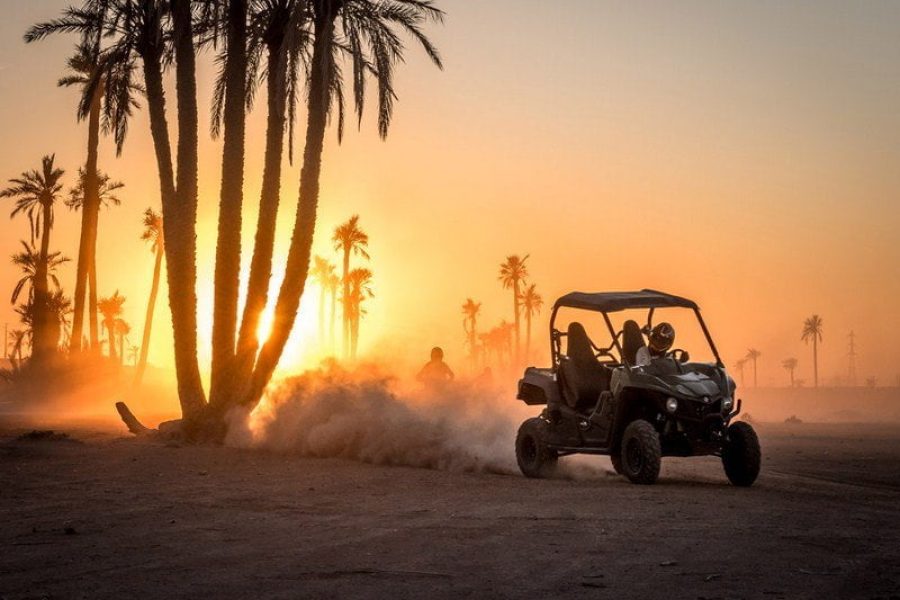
[[607, 400]]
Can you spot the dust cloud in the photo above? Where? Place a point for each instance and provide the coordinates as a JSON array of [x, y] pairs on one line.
[[370, 415]]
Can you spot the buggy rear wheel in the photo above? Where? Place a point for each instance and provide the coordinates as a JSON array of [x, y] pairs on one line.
[[640, 453], [741, 455], [534, 457]]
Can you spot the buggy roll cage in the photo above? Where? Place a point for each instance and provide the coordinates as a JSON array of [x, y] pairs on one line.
[[607, 302]]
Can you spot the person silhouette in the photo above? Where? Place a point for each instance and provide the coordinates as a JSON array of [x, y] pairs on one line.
[[435, 372]]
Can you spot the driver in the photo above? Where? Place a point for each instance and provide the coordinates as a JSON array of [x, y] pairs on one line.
[[660, 341]]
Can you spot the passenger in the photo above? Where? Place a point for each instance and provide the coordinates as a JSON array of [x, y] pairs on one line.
[[435, 372], [660, 341]]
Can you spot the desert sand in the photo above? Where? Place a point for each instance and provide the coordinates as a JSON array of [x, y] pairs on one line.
[[101, 514]]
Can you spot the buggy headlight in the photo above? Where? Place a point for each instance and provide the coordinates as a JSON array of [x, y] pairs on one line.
[[671, 405], [727, 403]]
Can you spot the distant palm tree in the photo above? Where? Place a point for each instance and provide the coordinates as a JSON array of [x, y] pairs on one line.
[[812, 330], [360, 289], [752, 355], [531, 303], [790, 364], [105, 192], [111, 309], [153, 233], [28, 260], [470, 311], [322, 271], [512, 274], [739, 365], [349, 239], [134, 353], [36, 193], [18, 341], [333, 284]]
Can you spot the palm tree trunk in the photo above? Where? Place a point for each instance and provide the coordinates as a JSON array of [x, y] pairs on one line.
[[111, 335], [792, 378], [231, 199], [270, 197], [42, 344], [89, 216], [93, 317], [121, 348], [754, 374], [516, 314], [297, 268], [332, 316], [322, 315], [179, 211], [148, 320], [345, 303], [354, 334], [527, 333], [815, 362]]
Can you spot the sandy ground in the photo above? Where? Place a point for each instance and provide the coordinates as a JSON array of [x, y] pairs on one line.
[[108, 516]]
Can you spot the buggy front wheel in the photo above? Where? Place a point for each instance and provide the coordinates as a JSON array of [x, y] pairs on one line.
[[640, 453], [741, 455], [534, 457]]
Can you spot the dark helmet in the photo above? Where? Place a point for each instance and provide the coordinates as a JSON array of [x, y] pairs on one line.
[[662, 336], [437, 353]]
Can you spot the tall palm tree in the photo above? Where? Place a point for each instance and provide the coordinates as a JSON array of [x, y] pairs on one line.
[[111, 309], [812, 331], [280, 30], [370, 35], [104, 195], [360, 289], [349, 238], [153, 233], [35, 193], [752, 355], [470, 310], [790, 364], [531, 304], [322, 271], [512, 274], [739, 365]]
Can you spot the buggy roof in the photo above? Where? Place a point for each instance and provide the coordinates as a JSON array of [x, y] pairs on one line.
[[616, 301]]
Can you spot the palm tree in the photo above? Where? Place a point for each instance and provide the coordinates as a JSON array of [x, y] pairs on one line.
[[374, 46], [513, 273], [322, 271], [18, 341], [35, 194], [752, 355], [812, 330], [790, 364], [470, 311], [134, 353], [531, 303], [349, 239], [360, 289], [153, 233], [104, 196], [111, 309], [739, 365], [278, 28]]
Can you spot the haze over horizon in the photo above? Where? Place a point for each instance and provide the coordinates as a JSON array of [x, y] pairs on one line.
[[744, 156]]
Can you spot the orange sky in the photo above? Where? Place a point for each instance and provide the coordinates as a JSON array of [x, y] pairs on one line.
[[745, 156]]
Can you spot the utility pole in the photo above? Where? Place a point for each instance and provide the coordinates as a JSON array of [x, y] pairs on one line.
[[851, 359]]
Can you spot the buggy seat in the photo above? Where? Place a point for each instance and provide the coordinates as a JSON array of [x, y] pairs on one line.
[[583, 378]]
